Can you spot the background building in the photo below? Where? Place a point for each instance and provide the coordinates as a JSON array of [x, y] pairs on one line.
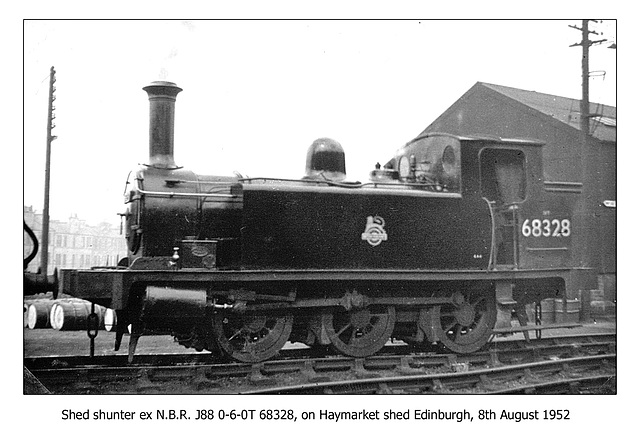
[[74, 243], [495, 110]]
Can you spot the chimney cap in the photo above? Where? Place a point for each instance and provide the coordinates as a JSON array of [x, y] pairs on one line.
[[162, 83], [163, 87]]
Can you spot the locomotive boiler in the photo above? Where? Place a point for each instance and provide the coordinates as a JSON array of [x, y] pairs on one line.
[[444, 242]]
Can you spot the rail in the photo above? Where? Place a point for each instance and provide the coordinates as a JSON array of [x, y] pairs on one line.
[[199, 373]]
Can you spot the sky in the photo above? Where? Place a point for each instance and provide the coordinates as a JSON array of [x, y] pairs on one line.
[[256, 94]]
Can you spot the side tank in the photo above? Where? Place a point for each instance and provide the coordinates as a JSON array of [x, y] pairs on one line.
[[413, 216]]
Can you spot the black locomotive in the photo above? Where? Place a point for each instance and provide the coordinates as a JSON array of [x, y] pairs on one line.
[[444, 242]]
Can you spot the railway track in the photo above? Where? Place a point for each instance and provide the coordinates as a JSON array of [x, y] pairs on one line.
[[396, 370], [584, 374]]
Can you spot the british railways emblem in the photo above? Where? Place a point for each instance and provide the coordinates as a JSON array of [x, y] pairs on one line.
[[374, 232]]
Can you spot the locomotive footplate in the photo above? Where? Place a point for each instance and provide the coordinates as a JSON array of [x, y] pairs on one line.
[[111, 287], [212, 307]]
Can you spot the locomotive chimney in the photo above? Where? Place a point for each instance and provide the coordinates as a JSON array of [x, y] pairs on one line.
[[162, 102]]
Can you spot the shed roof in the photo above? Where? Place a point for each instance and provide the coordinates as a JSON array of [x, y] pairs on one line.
[[565, 110]]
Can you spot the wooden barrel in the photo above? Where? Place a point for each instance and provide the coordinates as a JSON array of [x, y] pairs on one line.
[[25, 314], [569, 315], [547, 308], [69, 316], [38, 314], [110, 320], [52, 313], [58, 320]]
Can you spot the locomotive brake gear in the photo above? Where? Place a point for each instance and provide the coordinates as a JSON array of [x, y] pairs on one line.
[[427, 325], [317, 333], [354, 300]]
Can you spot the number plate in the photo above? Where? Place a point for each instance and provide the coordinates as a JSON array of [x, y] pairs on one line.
[[547, 227]]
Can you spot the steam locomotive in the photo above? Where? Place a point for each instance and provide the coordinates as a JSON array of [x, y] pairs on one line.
[[441, 246]]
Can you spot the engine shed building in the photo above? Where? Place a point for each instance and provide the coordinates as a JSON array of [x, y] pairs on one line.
[[495, 110]]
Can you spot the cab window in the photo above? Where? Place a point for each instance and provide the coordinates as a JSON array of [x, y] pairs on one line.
[[503, 177]]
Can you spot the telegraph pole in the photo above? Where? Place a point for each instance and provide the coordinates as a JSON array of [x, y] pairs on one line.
[[44, 264], [584, 103], [589, 159]]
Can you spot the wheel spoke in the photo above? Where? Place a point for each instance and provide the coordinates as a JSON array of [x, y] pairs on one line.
[[347, 326], [237, 333], [450, 327], [252, 338], [370, 329], [467, 327]]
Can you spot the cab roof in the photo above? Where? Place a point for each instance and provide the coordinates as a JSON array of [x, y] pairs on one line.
[[482, 138]]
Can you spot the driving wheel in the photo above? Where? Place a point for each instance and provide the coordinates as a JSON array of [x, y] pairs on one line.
[[466, 323], [359, 332], [251, 338]]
